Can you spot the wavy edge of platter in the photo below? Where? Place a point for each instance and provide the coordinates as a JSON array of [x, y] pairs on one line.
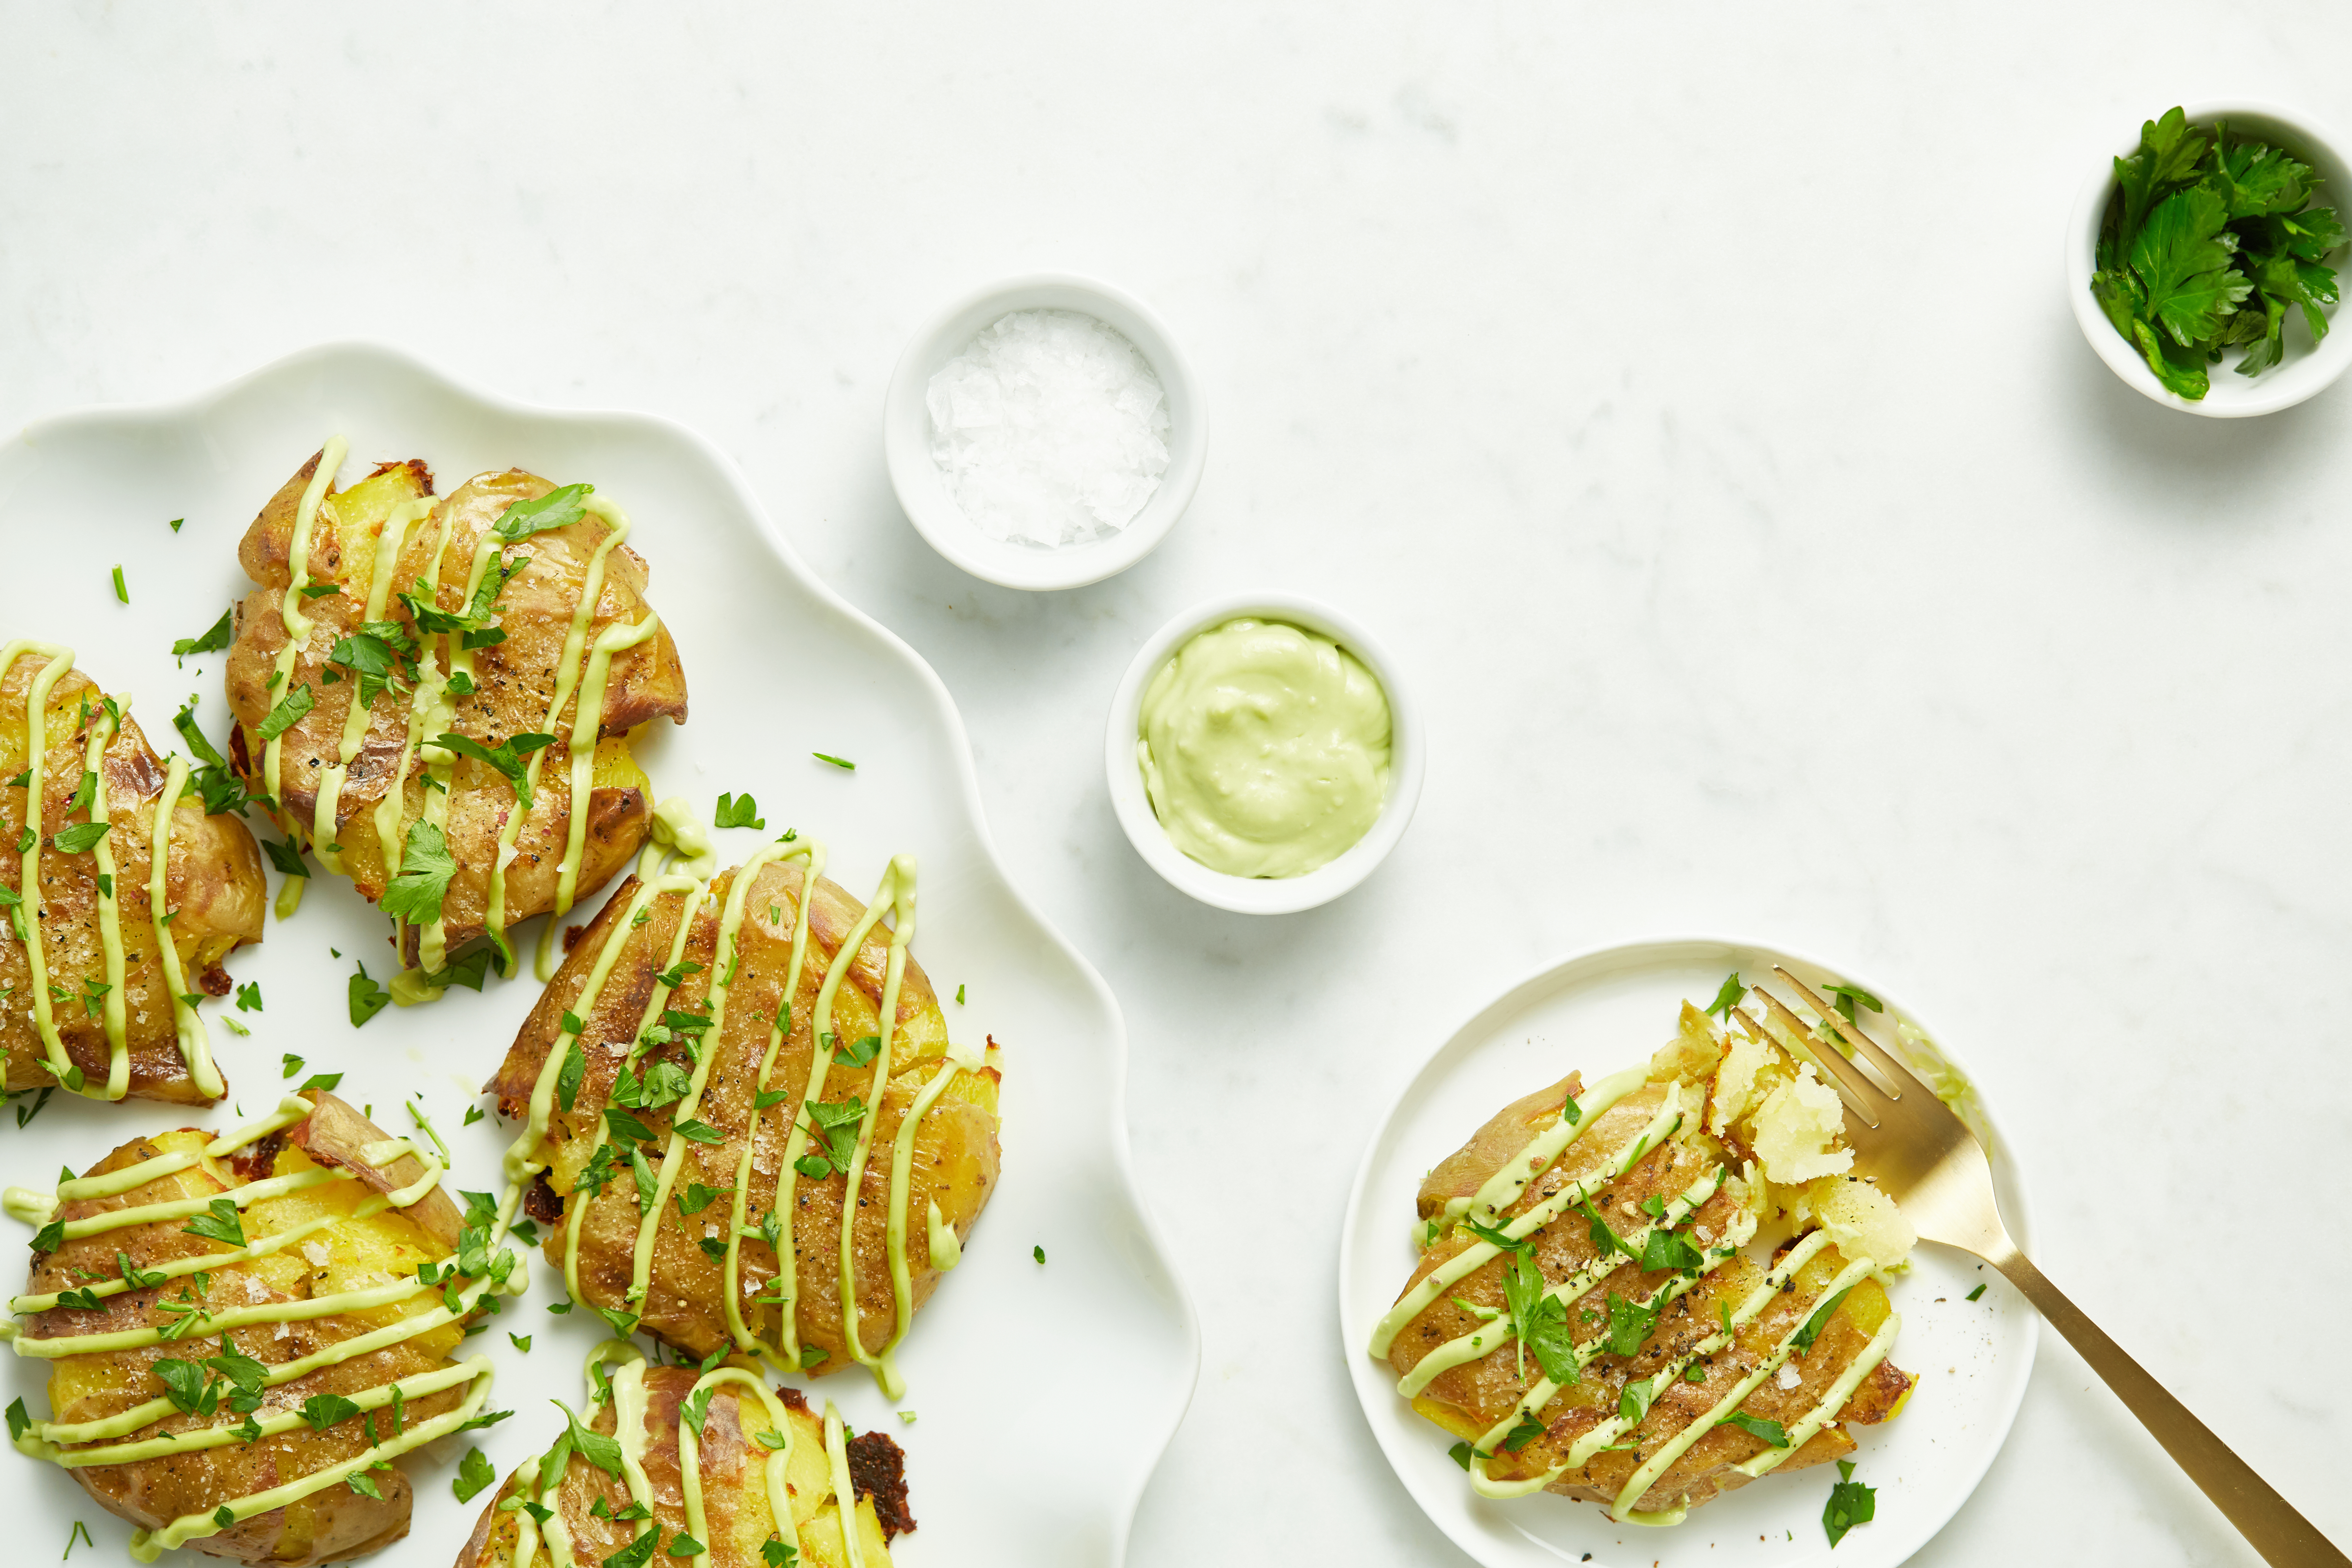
[[1531, 985], [360, 358]]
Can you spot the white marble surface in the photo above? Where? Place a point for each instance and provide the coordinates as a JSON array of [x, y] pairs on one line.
[[1689, 399]]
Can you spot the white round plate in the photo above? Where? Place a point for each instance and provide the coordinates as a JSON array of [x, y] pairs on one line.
[[1600, 1012], [779, 666]]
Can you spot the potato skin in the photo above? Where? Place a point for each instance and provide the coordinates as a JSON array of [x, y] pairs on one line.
[[734, 1487], [334, 1523], [213, 880], [515, 681], [956, 1148]]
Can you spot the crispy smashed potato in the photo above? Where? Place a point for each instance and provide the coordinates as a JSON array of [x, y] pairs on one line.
[[955, 1162], [204, 1370], [1640, 1291], [513, 681], [733, 1472], [213, 891]]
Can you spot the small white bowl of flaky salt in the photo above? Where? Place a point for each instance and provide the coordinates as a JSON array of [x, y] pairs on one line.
[[1044, 432]]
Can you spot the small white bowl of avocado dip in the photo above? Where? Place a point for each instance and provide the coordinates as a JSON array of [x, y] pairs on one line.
[[1263, 754]]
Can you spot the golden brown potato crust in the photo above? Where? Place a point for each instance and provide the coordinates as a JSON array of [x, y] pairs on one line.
[[1471, 1398], [514, 682], [213, 879], [955, 1160], [335, 1522]]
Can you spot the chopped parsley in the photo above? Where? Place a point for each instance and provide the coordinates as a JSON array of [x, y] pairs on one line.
[[364, 997], [287, 713], [425, 868], [211, 641], [474, 1472], [1726, 998], [559, 508], [1771, 1431], [738, 810], [222, 1224], [1851, 1503], [509, 758]]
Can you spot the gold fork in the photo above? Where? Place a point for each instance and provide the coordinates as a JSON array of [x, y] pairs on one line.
[[1926, 1159]]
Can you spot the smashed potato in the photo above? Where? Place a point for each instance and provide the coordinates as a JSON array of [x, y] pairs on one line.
[[248, 1330], [752, 1447], [672, 1059], [1583, 1315], [452, 615], [110, 1013]]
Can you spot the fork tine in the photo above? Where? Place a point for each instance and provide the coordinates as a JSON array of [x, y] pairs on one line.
[[1901, 1077], [1861, 1096]]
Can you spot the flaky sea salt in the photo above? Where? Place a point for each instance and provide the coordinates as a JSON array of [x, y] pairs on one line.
[[1049, 428]]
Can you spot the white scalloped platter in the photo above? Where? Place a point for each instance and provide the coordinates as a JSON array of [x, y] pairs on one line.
[[1008, 1365], [1600, 1012]]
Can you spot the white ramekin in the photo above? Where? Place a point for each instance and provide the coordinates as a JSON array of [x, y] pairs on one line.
[[1263, 895], [923, 491], [2307, 371]]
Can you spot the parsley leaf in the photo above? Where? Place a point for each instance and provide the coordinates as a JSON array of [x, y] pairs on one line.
[[212, 641], [1604, 1239], [626, 1129], [1849, 996], [1851, 1503], [736, 811], [558, 508], [1528, 1430], [1726, 998], [364, 997], [323, 1410], [842, 762], [507, 758], [637, 1553], [1805, 1336], [223, 1224], [1634, 1400], [568, 1077], [288, 712], [1667, 1249], [1771, 1431], [474, 1472], [425, 867], [859, 1054], [1630, 1323], [81, 837], [186, 1387]]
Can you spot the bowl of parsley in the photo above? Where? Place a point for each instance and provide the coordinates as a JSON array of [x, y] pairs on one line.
[[2202, 261]]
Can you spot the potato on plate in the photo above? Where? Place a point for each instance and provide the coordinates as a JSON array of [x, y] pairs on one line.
[[248, 1330], [767, 1486], [714, 1056], [385, 620], [101, 960], [1584, 1316]]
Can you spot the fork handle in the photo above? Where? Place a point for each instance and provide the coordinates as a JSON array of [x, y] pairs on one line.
[[2270, 1523]]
